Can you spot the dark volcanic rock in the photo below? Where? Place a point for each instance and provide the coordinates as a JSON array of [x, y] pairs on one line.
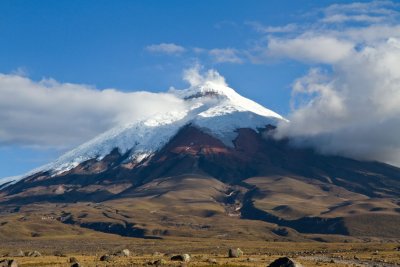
[[73, 260], [284, 262], [106, 257]]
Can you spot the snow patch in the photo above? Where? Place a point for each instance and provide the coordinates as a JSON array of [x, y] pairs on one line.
[[210, 105]]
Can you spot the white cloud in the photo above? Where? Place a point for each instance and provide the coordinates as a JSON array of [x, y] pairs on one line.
[[349, 104], [226, 55], [166, 48], [354, 110], [61, 115], [310, 48], [272, 29], [364, 12], [340, 18]]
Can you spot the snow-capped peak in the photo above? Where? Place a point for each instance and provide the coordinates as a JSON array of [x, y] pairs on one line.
[[226, 95], [209, 104]]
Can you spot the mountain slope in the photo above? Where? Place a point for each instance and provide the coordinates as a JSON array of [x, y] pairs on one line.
[[212, 169]]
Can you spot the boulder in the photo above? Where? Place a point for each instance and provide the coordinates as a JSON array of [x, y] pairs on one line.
[[122, 253], [73, 260], [105, 257], [34, 254], [235, 253], [181, 257], [76, 264], [212, 261], [284, 262], [159, 262], [8, 263]]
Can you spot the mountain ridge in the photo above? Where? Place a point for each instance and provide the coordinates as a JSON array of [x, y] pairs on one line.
[[214, 107]]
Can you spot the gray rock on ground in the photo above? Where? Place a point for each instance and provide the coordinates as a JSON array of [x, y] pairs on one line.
[[122, 253], [8, 263], [235, 253], [181, 257], [33, 254], [212, 261], [284, 262], [106, 257]]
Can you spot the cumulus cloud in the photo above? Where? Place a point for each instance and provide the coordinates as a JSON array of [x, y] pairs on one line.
[[166, 48], [310, 48], [47, 113], [353, 111], [225, 55], [350, 105]]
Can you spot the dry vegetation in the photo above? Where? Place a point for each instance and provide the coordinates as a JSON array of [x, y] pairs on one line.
[[256, 253]]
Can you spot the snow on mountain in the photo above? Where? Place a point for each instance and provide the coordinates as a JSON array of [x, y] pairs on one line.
[[210, 105]]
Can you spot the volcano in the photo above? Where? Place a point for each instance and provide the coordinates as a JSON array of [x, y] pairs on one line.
[[211, 169]]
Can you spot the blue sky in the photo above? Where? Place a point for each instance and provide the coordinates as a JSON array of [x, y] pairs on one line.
[[103, 42], [258, 46]]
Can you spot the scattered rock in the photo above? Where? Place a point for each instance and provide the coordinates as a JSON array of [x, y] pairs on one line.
[[34, 254], [8, 263], [73, 260], [235, 253], [122, 253], [181, 257], [212, 261], [284, 262], [157, 262], [105, 257]]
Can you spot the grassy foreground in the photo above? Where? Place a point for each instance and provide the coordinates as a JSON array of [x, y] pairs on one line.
[[202, 251]]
